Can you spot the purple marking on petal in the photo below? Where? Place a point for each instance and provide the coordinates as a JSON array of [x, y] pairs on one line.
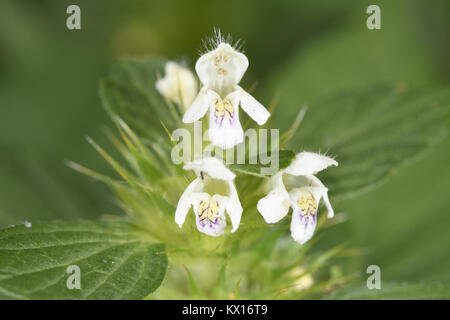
[[219, 120], [307, 219], [223, 112], [205, 222], [230, 117]]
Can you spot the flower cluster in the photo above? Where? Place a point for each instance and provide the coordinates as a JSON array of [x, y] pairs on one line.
[[220, 72], [213, 192]]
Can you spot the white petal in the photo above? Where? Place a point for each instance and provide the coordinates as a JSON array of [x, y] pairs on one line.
[[306, 163], [318, 184], [185, 201], [305, 202], [234, 207], [211, 166], [225, 130], [209, 213], [328, 205], [178, 85], [302, 229], [198, 107], [253, 108], [221, 68], [275, 205]]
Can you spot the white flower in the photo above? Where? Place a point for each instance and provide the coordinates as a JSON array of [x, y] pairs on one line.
[[211, 194], [305, 192], [220, 71], [178, 85]]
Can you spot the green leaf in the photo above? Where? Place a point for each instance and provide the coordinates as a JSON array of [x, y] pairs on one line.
[[410, 291], [116, 261], [372, 132], [129, 92], [285, 158], [50, 190], [194, 289], [348, 59]]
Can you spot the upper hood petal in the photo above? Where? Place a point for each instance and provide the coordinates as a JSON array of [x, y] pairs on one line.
[[306, 163], [221, 67]]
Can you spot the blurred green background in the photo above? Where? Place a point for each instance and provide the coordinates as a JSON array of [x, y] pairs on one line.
[[300, 50]]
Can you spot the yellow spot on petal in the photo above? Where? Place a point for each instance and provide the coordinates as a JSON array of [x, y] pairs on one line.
[[307, 205], [208, 211], [217, 60], [223, 109], [222, 71]]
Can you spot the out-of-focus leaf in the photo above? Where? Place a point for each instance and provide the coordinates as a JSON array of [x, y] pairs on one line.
[[410, 291], [372, 132], [129, 91], [351, 57], [45, 112], [404, 222], [115, 259], [35, 189]]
